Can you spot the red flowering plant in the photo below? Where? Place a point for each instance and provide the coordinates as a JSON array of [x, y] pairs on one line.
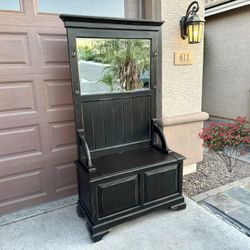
[[227, 140]]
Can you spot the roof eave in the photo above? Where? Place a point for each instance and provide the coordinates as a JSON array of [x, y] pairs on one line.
[[226, 7]]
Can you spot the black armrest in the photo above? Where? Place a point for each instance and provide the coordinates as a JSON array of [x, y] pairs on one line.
[[83, 142], [156, 129]]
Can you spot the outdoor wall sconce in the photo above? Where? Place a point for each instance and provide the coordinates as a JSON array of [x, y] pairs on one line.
[[191, 24]]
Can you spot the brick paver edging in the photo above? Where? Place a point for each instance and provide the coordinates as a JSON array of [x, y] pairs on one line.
[[221, 189]]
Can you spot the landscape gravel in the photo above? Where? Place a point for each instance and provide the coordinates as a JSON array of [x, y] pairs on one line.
[[212, 173]]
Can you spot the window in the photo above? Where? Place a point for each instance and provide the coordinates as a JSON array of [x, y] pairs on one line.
[[111, 8], [13, 5]]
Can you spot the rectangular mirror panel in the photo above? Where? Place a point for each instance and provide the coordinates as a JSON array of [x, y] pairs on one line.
[[113, 65]]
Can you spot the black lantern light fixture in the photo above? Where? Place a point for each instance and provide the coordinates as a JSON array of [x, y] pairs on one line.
[[192, 25]]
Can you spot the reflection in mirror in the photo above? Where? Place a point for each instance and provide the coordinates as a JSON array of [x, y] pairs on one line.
[[113, 65]]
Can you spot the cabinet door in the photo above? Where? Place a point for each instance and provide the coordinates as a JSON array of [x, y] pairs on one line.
[[117, 195], [160, 182]]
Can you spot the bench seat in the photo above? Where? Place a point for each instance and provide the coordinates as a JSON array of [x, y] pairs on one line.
[[132, 160]]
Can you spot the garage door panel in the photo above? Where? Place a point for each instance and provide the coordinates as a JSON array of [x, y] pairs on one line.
[[65, 176], [21, 119], [37, 138], [62, 135], [58, 93], [14, 50], [25, 51], [16, 97], [21, 202], [53, 49], [15, 186], [63, 114], [55, 71], [20, 20], [64, 171], [65, 191], [23, 164], [18, 142]]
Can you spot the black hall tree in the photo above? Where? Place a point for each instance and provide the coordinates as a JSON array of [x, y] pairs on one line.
[[124, 167]]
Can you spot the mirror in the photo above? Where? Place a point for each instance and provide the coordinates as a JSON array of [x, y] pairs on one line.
[[113, 65]]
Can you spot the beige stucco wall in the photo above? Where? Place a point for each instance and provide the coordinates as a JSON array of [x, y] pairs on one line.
[[181, 86], [180, 93], [182, 136], [226, 67]]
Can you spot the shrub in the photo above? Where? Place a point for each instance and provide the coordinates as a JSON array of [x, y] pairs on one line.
[[86, 54], [227, 140]]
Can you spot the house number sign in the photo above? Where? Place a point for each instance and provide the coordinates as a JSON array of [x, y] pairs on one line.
[[183, 58]]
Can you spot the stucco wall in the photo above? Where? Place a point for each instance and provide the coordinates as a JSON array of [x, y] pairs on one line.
[[226, 66], [181, 85], [181, 89]]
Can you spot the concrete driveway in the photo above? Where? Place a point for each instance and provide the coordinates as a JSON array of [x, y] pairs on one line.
[[192, 228]]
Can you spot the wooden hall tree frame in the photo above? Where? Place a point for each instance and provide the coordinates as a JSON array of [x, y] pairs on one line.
[[122, 173]]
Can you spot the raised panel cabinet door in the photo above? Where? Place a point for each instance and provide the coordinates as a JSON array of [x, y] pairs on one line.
[[160, 182], [118, 195]]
